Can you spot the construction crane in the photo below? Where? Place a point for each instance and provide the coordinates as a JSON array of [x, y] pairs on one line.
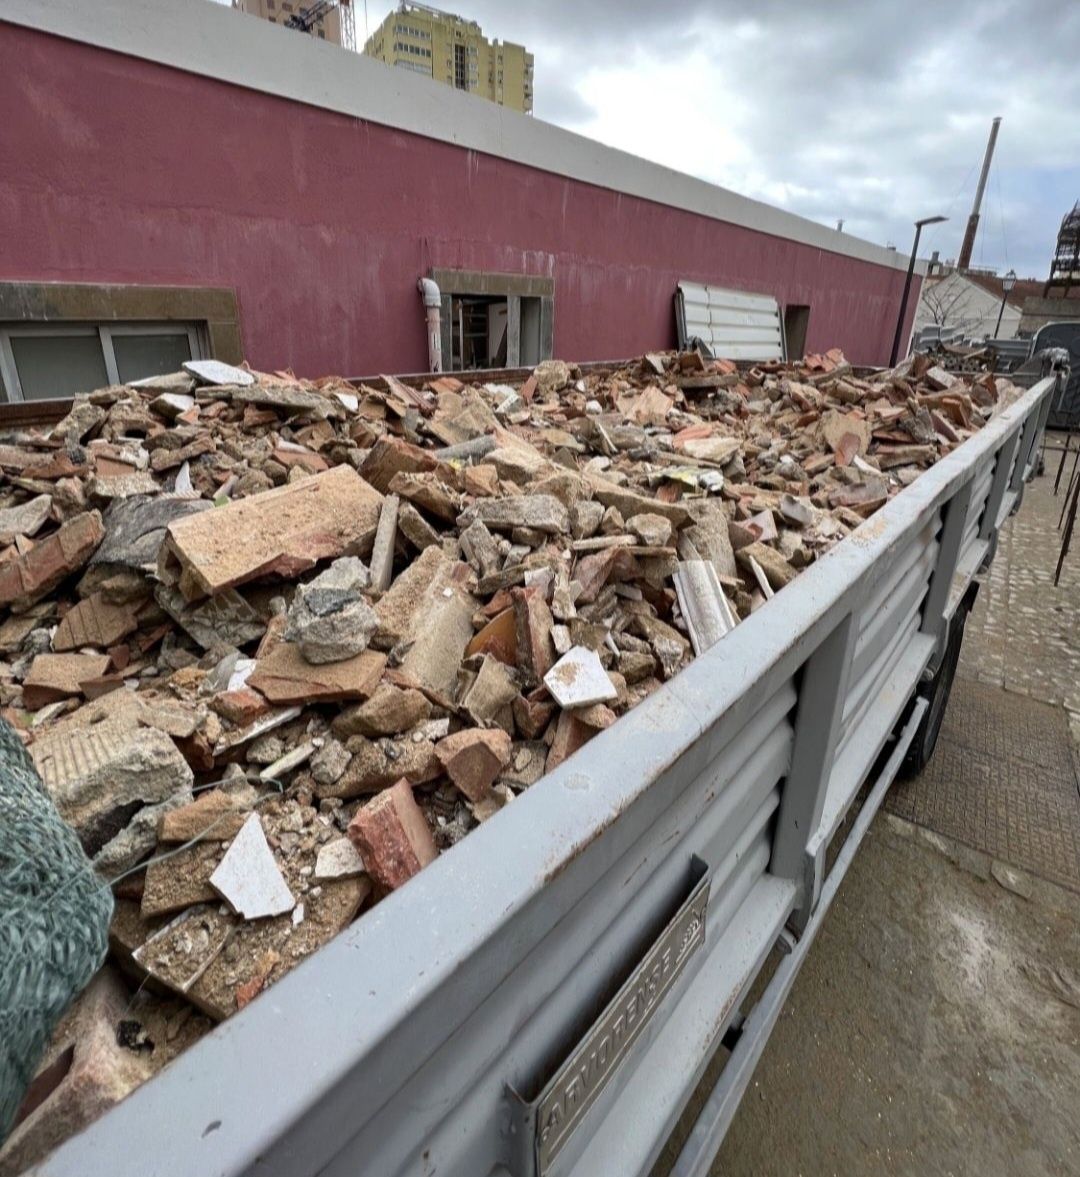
[[306, 19]]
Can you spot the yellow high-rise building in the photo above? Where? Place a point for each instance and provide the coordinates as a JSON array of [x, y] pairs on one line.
[[455, 51]]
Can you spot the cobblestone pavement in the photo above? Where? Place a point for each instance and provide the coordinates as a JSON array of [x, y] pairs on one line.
[[1024, 634], [1003, 778]]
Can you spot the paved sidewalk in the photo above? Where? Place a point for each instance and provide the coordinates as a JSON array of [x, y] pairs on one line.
[[1003, 778], [1024, 634], [935, 1027]]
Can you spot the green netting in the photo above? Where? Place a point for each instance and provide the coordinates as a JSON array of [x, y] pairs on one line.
[[54, 921]]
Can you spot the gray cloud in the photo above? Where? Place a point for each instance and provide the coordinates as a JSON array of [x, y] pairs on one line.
[[869, 110]]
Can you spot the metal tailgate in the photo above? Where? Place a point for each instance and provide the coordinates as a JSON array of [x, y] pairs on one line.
[[469, 1024]]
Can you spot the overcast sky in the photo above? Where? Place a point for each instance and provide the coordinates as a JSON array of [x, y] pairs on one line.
[[871, 110]]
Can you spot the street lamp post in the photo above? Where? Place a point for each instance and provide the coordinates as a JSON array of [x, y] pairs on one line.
[[1007, 283], [907, 285]]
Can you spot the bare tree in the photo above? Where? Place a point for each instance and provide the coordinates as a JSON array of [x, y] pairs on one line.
[[944, 302]]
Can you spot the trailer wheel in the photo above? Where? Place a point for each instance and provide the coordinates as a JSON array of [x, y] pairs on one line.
[[936, 691]]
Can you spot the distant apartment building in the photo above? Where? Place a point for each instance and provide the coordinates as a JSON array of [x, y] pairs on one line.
[[323, 18], [455, 51]]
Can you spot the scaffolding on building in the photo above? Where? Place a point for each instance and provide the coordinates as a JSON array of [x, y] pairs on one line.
[[348, 25], [1064, 280]]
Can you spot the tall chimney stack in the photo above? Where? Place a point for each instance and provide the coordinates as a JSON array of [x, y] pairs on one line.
[[973, 220]]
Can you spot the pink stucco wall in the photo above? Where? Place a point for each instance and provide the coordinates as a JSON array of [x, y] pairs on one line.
[[114, 169]]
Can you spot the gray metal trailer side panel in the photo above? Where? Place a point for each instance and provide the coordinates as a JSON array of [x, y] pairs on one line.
[[416, 1041]]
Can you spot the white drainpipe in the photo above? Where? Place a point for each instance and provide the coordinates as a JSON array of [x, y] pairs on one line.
[[429, 291]]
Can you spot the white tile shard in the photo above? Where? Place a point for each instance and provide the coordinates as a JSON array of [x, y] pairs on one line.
[[705, 608], [578, 679], [248, 878], [215, 372]]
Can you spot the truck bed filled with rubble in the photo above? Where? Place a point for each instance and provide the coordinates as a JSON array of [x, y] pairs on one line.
[[276, 644]]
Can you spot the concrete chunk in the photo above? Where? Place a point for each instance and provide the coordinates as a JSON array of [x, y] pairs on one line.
[[629, 503], [338, 860], [440, 640], [401, 607], [215, 372], [135, 528], [777, 570], [329, 619], [100, 776], [650, 529], [542, 512], [329, 762], [491, 691], [390, 710], [382, 551], [25, 519], [376, 764], [214, 812], [224, 620]]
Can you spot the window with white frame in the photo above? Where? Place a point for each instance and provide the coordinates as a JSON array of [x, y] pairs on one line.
[[42, 361]]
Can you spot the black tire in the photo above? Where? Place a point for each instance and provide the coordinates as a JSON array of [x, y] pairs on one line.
[[937, 692]]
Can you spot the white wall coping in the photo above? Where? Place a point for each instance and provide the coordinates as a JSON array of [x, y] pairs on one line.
[[215, 41]]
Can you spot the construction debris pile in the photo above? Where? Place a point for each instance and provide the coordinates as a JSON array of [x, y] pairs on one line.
[[286, 641], [967, 358]]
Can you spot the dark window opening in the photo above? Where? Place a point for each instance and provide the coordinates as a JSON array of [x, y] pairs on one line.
[[796, 321], [479, 332], [44, 361], [495, 320], [461, 68]]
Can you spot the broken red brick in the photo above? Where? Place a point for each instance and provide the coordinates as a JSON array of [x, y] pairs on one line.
[[305, 459], [445, 384], [536, 653], [474, 758], [392, 836], [249, 990], [570, 735], [390, 456], [32, 576], [285, 676], [59, 676], [533, 712], [94, 622], [241, 706], [481, 480], [86, 1071], [281, 532]]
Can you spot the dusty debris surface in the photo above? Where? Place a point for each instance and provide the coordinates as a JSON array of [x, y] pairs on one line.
[[275, 644]]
